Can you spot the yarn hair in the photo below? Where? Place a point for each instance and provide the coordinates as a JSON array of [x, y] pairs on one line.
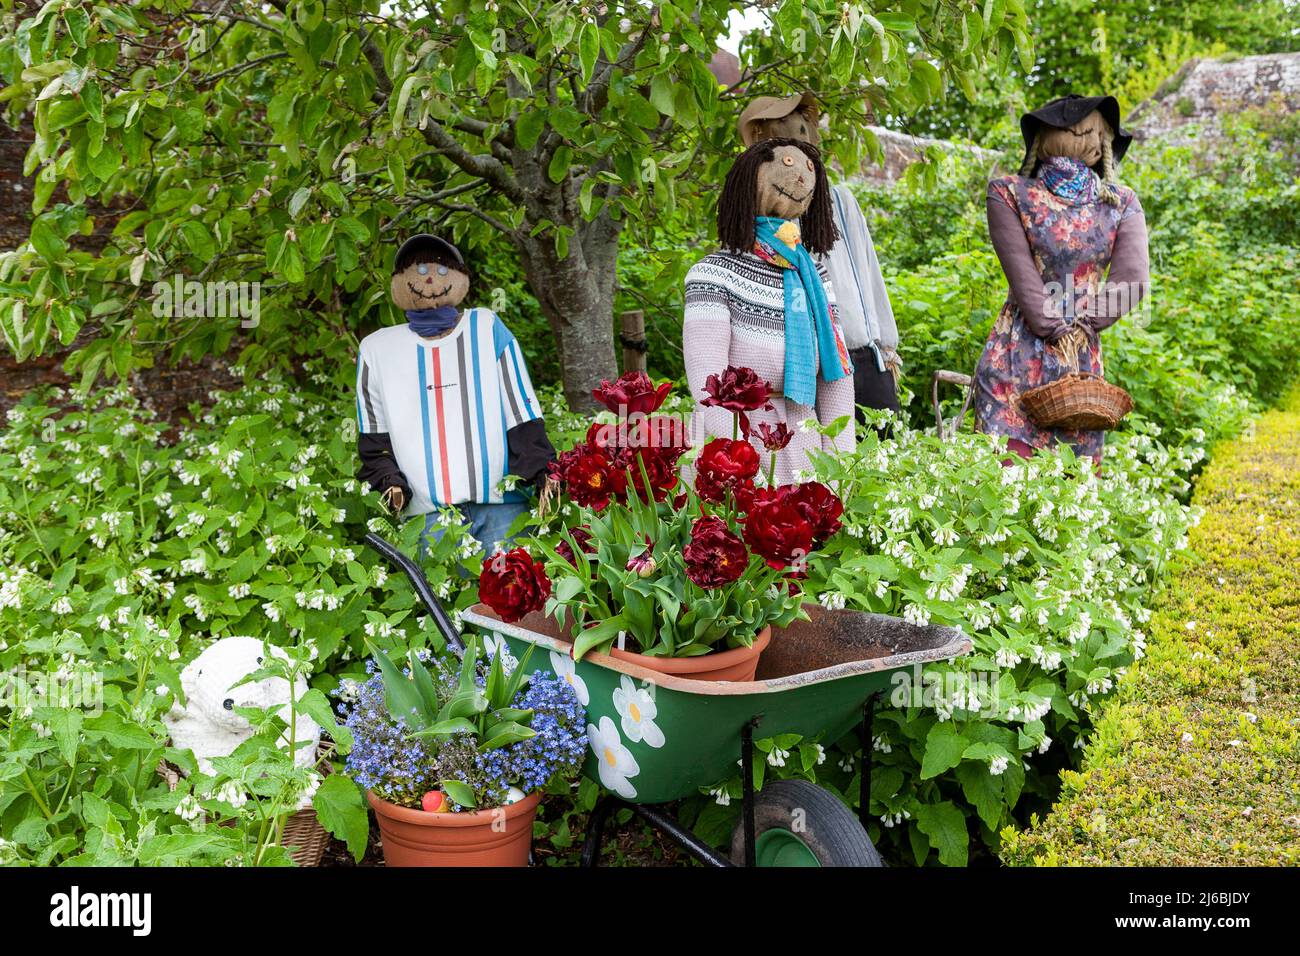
[[738, 204]]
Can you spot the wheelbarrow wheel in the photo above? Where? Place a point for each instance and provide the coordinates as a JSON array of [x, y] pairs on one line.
[[797, 823]]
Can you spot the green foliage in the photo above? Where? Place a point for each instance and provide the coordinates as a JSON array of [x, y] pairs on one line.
[[123, 556], [1126, 48], [1047, 567], [289, 143], [433, 707], [1194, 761]]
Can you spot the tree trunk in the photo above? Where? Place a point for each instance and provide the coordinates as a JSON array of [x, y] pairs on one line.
[[576, 294]]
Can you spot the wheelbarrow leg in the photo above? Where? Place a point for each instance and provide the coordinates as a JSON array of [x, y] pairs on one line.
[[868, 749], [747, 786], [596, 830]]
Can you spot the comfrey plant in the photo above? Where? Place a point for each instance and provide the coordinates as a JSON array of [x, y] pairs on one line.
[[480, 733], [1047, 565]]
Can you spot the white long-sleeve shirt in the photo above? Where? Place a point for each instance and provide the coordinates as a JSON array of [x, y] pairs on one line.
[[864, 310]]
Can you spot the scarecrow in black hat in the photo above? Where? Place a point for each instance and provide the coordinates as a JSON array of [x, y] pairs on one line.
[[1073, 245], [445, 406]]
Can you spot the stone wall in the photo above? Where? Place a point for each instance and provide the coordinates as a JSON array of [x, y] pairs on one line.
[[1188, 105]]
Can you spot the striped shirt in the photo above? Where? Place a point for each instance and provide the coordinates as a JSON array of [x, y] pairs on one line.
[[446, 405]]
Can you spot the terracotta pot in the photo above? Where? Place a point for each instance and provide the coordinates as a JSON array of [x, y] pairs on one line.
[[736, 664], [498, 837]]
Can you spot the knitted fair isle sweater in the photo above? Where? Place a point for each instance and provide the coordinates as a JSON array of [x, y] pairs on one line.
[[735, 315]]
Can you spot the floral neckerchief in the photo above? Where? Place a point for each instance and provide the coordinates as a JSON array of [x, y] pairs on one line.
[[1068, 178]]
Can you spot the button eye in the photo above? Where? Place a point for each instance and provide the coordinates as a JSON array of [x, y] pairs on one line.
[[810, 165], [422, 268], [228, 703], [788, 160], [442, 270]]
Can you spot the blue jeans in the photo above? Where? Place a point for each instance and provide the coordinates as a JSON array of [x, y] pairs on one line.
[[488, 523]]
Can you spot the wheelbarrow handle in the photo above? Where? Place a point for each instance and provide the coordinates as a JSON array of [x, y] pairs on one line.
[[422, 589], [946, 430]]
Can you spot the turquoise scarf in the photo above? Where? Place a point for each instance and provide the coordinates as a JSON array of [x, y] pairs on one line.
[[809, 331]]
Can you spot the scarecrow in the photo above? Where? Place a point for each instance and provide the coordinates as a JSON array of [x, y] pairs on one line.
[[445, 405], [764, 303], [1073, 245], [861, 301]]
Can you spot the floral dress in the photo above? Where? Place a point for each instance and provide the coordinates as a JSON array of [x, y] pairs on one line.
[[1071, 239]]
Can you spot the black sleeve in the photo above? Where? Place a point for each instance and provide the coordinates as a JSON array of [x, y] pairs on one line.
[[530, 450], [378, 466]]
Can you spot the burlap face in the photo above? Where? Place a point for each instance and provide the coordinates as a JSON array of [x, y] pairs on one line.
[[1081, 141], [428, 285], [786, 183]]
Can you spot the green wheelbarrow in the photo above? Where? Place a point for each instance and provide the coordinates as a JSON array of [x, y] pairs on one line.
[[655, 738]]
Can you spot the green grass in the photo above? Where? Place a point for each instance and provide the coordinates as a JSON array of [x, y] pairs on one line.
[[1196, 760]]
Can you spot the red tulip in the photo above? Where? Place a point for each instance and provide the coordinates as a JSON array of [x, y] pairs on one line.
[[774, 437], [633, 392], [738, 390], [820, 506], [715, 555], [582, 536], [777, 529], [724, 464], [513, 584]]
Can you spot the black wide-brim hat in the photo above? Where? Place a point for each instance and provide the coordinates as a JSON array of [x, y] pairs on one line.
[[1068, 110]]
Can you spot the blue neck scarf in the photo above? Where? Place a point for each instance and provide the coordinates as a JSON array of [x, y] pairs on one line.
[[1068, 178], [810, 335], [430, 322]]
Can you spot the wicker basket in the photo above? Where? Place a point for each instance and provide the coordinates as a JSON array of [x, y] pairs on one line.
[[302, 830], [1077, 401]]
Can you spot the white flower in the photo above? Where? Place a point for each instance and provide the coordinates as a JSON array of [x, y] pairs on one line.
[[494, 644], [567, 670], [615, 762], [916, 615], [777, 757], [188, 808], [997, 765], [239, 590], [232, 793], [721, 796], [637, 711], [832, 601]]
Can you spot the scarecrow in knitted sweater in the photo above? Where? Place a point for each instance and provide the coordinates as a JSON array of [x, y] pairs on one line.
[[445, 406], [1073, 245], [765, 303], [862, 303]]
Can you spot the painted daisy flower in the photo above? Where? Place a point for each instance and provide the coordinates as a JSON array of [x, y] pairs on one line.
[[637, 710], [616, 763]]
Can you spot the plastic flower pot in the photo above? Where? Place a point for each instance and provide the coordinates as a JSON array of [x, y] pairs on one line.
[[501, 836], [735, 664]]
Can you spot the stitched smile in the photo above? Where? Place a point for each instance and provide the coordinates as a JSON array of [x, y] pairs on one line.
[[791, 196], [432, 295]]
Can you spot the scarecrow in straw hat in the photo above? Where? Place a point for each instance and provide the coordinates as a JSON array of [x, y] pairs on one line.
[[1073, 245], [765, 304], [863, 304]]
